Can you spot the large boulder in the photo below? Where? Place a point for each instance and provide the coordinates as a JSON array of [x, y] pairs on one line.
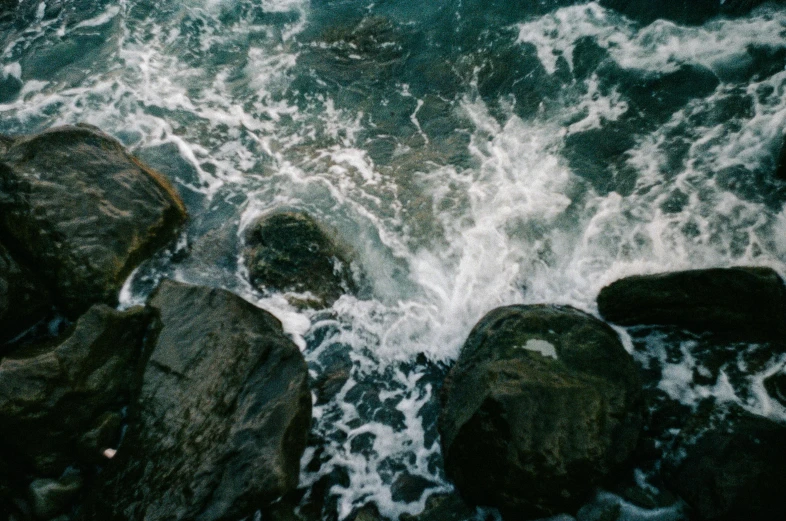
[[743, 302], [24, 300], [542, 404], [221, 420], [50, 497], [730, 467], [290, 251], [81, 210], [52, 394]]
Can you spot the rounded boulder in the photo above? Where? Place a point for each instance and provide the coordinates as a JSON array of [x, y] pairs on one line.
[[291, 252], [83, 212], [542, 404]]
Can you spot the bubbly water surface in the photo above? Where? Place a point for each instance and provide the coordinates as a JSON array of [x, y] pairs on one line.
[[472, 153]]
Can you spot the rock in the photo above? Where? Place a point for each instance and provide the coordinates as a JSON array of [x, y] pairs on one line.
[[23, 298], [5, 143], [690, 12], [368, 512], [409, 488], [731, 468], [290, 251], [221, 420], [85, 213], [776, 387], [542, 404], [745, 302], [335, 370], [51, 497], [51, 394], [443, 507], [103, 434], [315, 502]]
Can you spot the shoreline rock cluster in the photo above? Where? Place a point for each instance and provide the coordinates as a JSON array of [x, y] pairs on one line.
[[194, 406], [198, 406]]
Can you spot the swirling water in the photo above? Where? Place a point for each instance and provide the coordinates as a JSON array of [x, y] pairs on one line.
[[473, 154]]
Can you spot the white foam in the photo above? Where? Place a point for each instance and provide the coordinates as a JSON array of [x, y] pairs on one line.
[[761, 402], [102, 19], [13, 69], [661, 46]]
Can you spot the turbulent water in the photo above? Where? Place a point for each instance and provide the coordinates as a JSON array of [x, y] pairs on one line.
[[472, 153]]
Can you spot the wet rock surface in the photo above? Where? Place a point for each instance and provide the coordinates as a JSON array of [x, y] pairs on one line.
[[443, 507], [221, 420], [744, 302], [542, 404], [23, 298], [50, 497], [290, 251], [776, 387], [729, 466], [85, 213], [51, 394]]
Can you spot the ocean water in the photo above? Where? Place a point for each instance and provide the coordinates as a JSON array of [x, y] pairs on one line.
[[472, 153]]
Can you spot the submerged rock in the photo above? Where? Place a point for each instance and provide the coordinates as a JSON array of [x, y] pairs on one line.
[[443, 507], [221, 420], [368, 512], [50, 497], [85, 213], [542, 404], [743, 302], [290, 251], [23, 298], [51, 394], [731, 468], [776, 387]]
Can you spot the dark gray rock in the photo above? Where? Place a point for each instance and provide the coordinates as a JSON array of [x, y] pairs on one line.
[[335, 370], [290, 251], [24, 300], [730, 468], [776, 387], [542, 405], [368, 512], [739, 302], [51, 394], [409, 488], [221, 420], [103, 433], [85, 213], [443, 507], [51, 497]]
